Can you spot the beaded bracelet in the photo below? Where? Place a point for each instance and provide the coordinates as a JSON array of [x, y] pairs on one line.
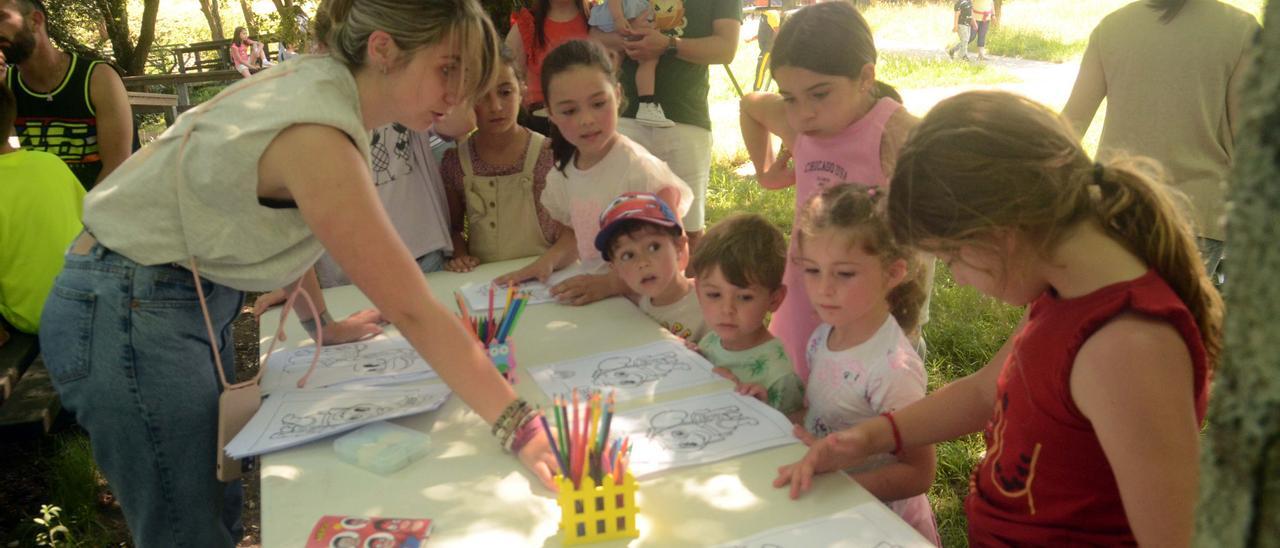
[[509, 430], [526, 432], [505, 418]]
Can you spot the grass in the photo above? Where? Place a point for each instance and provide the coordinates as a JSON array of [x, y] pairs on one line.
[[912, 72], [1032, 43], [74, 486]]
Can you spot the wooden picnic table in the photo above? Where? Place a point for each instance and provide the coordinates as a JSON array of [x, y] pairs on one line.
[[180, 82], [163, 103]]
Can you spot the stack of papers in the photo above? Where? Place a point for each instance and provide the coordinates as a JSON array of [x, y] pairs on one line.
[[477, 294], [378, 361]]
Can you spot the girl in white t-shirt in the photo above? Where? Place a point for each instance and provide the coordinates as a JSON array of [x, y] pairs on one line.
[[593, 165], [867, 290]]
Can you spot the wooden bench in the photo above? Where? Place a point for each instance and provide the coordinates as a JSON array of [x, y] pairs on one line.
[[180, 82], [30, 405], [214, 55], [163, 103]]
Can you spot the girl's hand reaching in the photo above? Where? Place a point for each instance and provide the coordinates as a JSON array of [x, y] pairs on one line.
[[462, 263], [779, 174], [538, 458], [834, 452]]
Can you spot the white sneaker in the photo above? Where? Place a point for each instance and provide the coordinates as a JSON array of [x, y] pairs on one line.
[[650, 114]]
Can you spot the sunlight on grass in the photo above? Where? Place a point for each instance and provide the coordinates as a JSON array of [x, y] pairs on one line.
[[1032, 43], [910, 72]]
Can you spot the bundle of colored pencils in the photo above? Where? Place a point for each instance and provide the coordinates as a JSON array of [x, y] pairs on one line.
[[583, 447], [487, 329]]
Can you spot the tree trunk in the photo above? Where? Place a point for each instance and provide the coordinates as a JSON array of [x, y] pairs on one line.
[[996, 12], [130, 56], [213, 16], [1240, 463], [290, 32], [250, 22]]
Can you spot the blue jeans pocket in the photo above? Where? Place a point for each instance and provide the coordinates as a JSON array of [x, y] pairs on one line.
[[66, 334]]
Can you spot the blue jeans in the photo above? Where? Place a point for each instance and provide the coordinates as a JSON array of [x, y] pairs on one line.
[[128, 352]]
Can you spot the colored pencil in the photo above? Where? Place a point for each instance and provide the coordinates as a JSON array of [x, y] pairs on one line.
[[551, 439]]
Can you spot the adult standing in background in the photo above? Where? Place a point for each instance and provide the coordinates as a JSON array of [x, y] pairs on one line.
[[687, 37], [1170, 71], [69, 106], [537, 31], [984, 15]]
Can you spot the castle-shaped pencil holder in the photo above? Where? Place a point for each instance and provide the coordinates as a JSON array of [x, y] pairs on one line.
[[502, 354], [597, 512]]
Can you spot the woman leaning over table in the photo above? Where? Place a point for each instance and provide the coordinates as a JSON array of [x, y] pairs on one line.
[[254, 185]]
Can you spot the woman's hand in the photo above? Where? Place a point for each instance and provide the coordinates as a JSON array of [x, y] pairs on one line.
[[584, 289], [538, 458], [538, 270], [462, 263], [266, 301], [837, 451], [359, 326]]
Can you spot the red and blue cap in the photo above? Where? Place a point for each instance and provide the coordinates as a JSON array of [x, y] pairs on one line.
[[632, 206]]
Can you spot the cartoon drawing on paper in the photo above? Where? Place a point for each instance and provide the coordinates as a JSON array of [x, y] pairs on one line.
[[361, 360], [680, 430], [622, 371], [324, 419]]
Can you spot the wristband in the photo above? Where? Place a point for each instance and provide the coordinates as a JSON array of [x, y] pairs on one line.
[[310, 324], [897, 436]]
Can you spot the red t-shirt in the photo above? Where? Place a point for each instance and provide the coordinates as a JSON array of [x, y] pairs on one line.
[[1045, 479], [556, 33]]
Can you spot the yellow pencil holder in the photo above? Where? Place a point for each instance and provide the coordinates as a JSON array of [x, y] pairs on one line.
[[597, 512]]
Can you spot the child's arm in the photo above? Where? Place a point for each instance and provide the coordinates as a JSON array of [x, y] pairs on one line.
[[620, 23], [1144, 416], [1088, 92], [561, 254], [910, 476], [955, 21], [589, 288], [896, 131], [760, 115], [959, 408]]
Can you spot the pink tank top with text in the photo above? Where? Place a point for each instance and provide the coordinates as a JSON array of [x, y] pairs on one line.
[[850, 157]]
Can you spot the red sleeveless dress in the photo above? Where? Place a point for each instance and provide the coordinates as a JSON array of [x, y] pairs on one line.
[[1045, 479]]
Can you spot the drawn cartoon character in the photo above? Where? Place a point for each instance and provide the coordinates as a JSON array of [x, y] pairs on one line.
[[325, 419], [679, 430], [300, 360], [626, 372], [385, 361], [668, 16]]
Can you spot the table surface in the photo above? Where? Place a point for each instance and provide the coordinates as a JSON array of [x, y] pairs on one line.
[[478, 495]]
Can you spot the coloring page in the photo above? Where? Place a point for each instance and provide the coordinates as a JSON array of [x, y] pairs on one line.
[[867, 525], [654, 368], [381, 360], [477, 294], [287, 419], [699, 430]]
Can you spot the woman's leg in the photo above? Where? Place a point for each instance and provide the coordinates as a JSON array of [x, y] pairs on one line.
[[128, 352]]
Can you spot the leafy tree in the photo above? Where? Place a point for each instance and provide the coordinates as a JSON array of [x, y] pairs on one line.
[[1240, 461], [212, 13], [128, 52]]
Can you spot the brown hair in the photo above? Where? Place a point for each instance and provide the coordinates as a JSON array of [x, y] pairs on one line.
[[413, 25], [747, 248], [830, 38], [566, 56], [984, 161], [854, 211]]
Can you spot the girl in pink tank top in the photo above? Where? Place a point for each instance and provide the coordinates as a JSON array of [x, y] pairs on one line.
[[840, 124]]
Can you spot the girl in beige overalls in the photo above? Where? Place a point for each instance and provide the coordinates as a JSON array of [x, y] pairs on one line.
[[494, 180]]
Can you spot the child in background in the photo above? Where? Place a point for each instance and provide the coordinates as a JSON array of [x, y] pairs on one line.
[[1098, 395], [643, 241], [247, 56], [494, 181], [739, 265], [842, 124], [593, 165], [625, 16], [962, 24], [862, 364]]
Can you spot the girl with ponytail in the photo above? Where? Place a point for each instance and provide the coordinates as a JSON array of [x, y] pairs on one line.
[[1091, 410], [841, 124], [594, 164]]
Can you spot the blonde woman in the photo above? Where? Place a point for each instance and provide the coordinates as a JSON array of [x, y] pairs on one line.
[[276, 175]]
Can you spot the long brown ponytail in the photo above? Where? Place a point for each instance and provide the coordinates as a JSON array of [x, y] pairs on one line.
[[984, 161]]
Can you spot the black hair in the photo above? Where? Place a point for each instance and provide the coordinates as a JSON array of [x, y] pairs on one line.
[[830, 38], [8, 112], [630, 227], [574, 53], [539, 10]]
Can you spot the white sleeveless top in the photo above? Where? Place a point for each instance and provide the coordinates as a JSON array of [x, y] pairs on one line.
[[194, 191]]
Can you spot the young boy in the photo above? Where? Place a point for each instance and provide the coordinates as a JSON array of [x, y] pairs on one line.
[[40, 206], [739, 265], [643, 242], [962, 24]]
